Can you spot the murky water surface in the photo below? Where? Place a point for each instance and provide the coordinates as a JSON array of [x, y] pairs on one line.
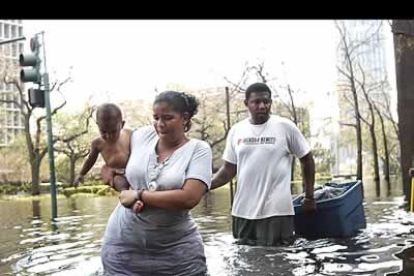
[[31, 245]]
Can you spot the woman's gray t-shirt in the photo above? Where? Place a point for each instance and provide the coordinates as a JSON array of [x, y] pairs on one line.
[[165, 242]]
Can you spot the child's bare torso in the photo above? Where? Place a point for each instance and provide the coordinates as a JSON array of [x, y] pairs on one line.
[[116, 154]]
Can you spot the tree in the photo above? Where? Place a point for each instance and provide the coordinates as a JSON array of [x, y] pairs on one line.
[[210, 122], [389, 138], [71, 135], [323, 160], [349, 52], [371, 124], [35, 144]]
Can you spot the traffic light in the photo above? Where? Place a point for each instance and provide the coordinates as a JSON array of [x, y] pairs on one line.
[[31, 59], [36, 97]]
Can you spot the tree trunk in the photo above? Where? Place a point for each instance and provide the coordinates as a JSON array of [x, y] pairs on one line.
[[375, 156], [357, 113], [359, 145], [371, 127], [404, 62], [72, 167], [35, 169], [386, 152], [295, 120]]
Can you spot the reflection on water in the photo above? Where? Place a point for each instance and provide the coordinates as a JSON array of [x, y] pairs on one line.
[[32, 244]]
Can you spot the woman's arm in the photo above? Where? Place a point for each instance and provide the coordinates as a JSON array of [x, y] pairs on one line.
[[185, 198], [197, 181]]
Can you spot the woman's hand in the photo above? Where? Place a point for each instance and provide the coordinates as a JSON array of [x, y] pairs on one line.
[[128, 198], [138, 206]]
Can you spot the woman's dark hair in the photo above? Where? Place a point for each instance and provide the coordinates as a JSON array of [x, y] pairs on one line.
[[181, 102]]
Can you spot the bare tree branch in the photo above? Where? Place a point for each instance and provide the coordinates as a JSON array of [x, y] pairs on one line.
[[347, 124], [54, 111]]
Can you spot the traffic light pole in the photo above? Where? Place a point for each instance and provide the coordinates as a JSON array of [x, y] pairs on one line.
[[49, 133], [50, 146], [34, 75]]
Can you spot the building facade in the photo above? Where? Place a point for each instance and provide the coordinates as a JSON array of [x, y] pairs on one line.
[[11, 120]]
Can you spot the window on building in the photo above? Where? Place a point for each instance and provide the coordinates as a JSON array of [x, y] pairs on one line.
[[17, 101], [9, 137], [6, 50], [6, 30], [2, 137], [20, 31], [2, 119], [10, 99], [1, 29], [13, 31], [14, 50], [9, 119], [16, 133], [16, 121], [21, 48]]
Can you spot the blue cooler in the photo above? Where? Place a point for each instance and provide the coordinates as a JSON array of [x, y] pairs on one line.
[[341, 216]]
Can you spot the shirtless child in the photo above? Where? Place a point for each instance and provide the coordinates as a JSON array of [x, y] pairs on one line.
[[112, 144]]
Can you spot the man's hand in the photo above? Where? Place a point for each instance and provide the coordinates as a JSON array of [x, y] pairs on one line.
[[309, 206]]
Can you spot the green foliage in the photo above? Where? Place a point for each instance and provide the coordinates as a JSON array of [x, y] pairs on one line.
[[92, 183], [62, 168], [93, 187], [8, 189], [324, 160]]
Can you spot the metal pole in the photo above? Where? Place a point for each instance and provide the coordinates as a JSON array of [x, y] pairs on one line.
[[49, 133], [228, 129]]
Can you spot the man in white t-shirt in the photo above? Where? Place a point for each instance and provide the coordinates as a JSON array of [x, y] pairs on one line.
[[259, 150]]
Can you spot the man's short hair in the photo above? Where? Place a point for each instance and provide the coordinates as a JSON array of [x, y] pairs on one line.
[[257, 87]]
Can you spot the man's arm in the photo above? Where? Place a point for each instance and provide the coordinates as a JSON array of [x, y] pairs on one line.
[[308, 176], [224, 175]]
